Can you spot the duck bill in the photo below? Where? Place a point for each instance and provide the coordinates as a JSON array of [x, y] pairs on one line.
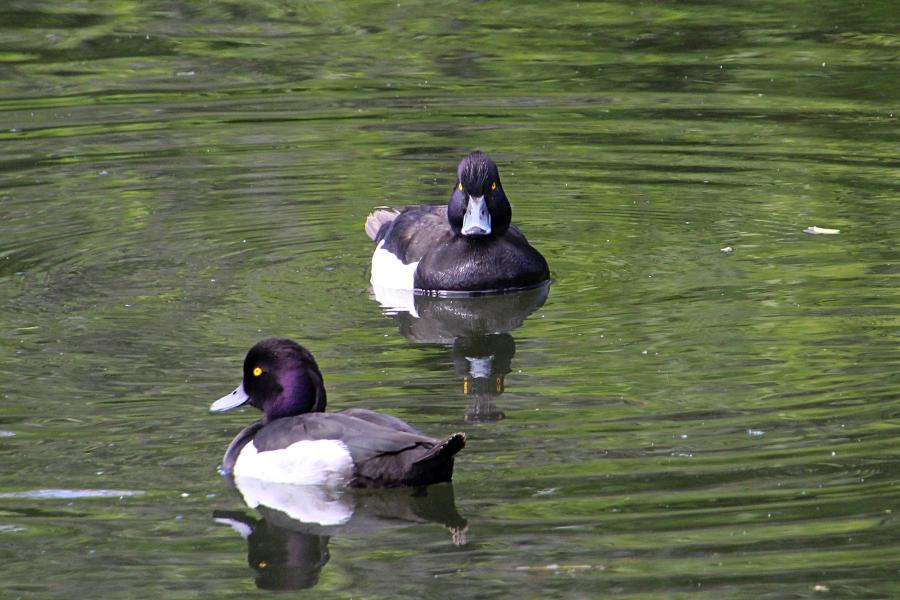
[[236, 398], [477, 220]]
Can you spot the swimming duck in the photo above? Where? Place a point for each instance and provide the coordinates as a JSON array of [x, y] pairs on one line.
[[296, 442], [470, 245]]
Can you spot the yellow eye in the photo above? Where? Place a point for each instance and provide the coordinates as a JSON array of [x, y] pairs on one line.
[[459, 186], [493, 186], [257, 372]]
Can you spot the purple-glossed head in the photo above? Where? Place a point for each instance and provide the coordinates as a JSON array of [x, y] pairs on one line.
[[281, 378], [478, 206]]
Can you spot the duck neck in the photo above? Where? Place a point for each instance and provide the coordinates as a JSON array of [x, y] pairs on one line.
[[298, 395]]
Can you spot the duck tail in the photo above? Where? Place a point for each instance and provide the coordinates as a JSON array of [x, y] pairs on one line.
[[378, 219], [444, 450]]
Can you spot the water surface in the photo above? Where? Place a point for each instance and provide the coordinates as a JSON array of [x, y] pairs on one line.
[[179, 180]]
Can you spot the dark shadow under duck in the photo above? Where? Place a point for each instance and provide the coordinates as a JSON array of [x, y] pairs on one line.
[[468, 246], [296, 442]]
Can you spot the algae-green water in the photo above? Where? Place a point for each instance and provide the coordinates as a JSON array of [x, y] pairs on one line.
[[706, 403]]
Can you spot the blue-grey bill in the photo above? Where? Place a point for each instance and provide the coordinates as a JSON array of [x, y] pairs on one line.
[[232, 400], [477, 220]]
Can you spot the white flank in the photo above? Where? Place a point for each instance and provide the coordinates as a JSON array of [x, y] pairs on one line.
[[308, 462], [388, 271], [304, 503]]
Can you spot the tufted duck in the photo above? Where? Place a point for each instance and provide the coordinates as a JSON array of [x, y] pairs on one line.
[[469, 246], [296, 442]]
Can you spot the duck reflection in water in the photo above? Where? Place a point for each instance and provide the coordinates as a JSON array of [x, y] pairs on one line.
[[476, 328], [288, 546], [483, 362]]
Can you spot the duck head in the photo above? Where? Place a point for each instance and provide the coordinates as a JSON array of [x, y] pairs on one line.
[[281, 378], [478, 206]]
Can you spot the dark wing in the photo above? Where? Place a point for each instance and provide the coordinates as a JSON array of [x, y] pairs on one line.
[[415, 231], [380, 419]]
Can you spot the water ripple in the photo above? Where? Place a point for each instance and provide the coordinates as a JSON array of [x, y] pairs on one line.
[[64, 494]]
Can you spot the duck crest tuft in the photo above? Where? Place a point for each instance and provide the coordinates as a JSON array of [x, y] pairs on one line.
[[476, 171]]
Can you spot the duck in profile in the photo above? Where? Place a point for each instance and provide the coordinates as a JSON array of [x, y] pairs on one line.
[[468, 246], [296, 442]]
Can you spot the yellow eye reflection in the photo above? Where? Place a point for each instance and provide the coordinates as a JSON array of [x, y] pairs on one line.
[[257, 372], [493, 186], [459, 186]]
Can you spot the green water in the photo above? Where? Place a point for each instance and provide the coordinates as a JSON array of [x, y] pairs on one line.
[[180, 179]]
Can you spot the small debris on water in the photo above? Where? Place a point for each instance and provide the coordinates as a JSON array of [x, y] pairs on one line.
[[755, 432], [820, 588], [726, 250], [103, 173], [821, 231]]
